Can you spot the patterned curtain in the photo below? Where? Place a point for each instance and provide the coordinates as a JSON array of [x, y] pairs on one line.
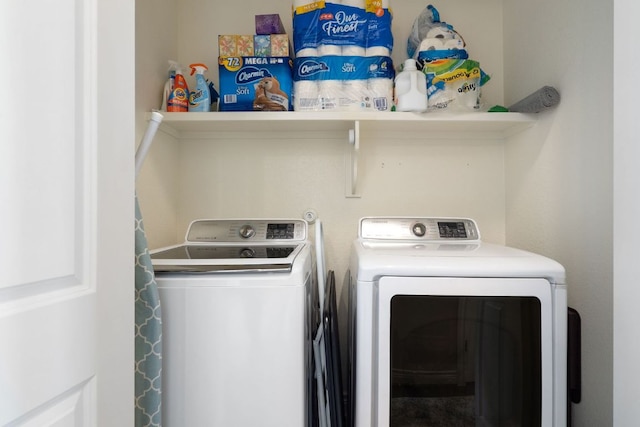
[[148, 339]]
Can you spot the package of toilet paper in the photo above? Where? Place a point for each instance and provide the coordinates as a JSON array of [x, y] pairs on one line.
[[324, 28], [343, 56], [343, 83], [251, 83]]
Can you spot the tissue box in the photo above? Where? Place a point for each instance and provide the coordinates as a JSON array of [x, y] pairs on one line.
[[280, 45], [269, 24], [235, 45], [244, 46], [232, 45], [252, 83], [262, 45], [271, 45]]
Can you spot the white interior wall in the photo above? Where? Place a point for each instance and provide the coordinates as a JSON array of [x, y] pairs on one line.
[[626, 211], [559, 174], [284, 177]]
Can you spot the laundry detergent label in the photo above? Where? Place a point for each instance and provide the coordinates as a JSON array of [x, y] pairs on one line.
[[341, 25], [178, 100], [255, 83]]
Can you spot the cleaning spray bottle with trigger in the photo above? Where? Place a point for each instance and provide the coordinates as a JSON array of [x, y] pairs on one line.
[[169, 84], [178, 100], [200, 98]]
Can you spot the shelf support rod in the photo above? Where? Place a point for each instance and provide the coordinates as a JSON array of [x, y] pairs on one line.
[[351, 161], [147, 139]]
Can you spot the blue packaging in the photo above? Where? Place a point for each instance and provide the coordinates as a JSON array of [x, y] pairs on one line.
[[251, 83], [343, 83], [341, 25], [343, 68]]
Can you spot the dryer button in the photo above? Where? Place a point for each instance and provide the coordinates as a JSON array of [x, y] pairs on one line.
[[247, 231], [419, 229]]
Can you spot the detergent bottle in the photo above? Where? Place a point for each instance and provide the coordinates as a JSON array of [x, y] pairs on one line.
[[200, 98], [178, 100], [411, 88]]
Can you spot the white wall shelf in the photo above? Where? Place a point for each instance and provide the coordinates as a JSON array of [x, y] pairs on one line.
[[473, 125], [353, 126]]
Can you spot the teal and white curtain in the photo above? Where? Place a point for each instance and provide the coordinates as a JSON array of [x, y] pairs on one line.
[[148, 339]]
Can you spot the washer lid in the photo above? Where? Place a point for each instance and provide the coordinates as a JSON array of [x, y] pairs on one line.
[[229, 252], [235, 246], [205, 258]]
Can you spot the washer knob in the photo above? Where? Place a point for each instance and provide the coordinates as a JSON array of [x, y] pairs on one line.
[[419, 229], [247, 253], [247, 231]]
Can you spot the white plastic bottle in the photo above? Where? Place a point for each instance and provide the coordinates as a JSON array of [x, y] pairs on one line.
[[411, 88], [169, 84]]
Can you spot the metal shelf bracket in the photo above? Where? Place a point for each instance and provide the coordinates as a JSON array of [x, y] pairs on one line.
[[351, 161]]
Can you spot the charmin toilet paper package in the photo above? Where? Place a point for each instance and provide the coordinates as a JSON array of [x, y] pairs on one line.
[[250, 83], [343, 83]]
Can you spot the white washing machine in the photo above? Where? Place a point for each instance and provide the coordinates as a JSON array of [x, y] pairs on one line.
[[235, 300], [448, 330]]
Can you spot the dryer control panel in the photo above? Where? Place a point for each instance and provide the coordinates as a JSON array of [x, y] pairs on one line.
[[247, 230], [422, 229]]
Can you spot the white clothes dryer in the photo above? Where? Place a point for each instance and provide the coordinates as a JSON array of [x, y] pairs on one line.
[[448, 330], [235, 300]]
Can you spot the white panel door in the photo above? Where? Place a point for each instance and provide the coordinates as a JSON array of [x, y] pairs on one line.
[[62, 236]]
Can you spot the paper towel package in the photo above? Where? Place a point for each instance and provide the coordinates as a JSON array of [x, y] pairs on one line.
[[453, 80], [252, 83], [454, 84], [343, 83]]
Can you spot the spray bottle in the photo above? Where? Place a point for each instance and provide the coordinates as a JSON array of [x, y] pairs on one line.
[[200, 98], [169, 84], [178, 100]]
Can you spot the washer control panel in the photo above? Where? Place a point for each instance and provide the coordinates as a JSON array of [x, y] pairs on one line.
[[247, 230], [405, 228]]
